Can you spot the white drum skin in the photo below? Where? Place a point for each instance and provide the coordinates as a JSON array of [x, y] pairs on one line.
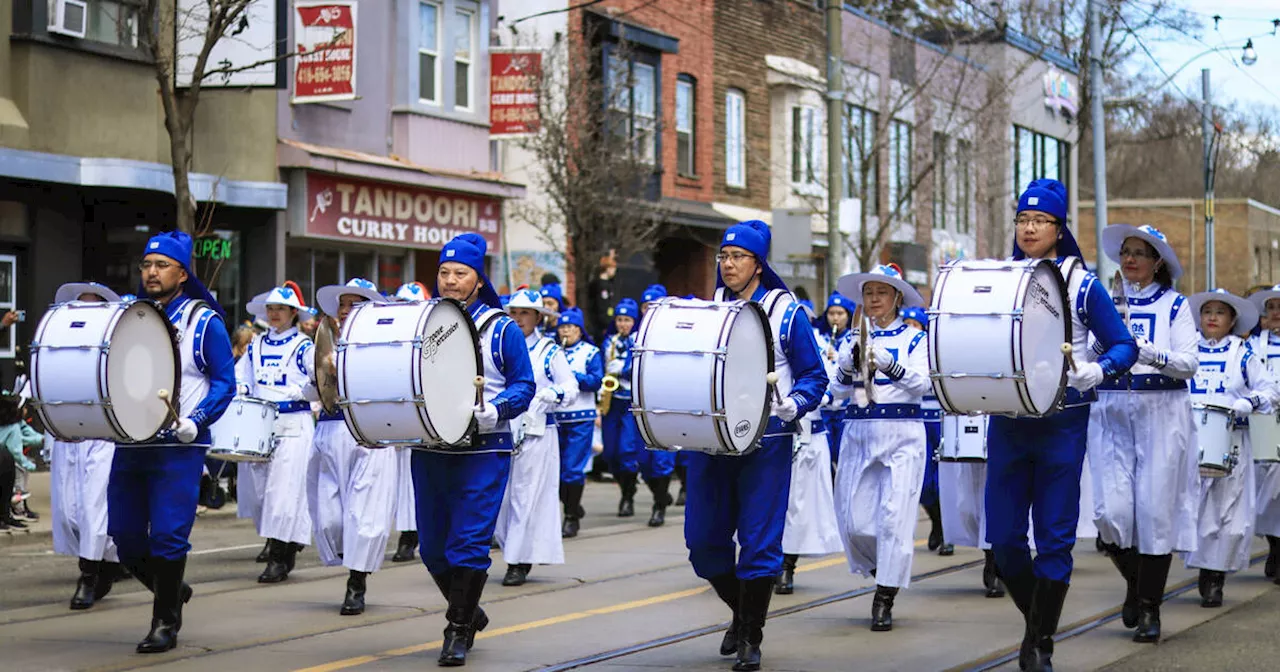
[[996, 330], [1219, 440], [245, 432], [964, 438], [1264, 435], [406, 373], [97, 369], [686, 395]]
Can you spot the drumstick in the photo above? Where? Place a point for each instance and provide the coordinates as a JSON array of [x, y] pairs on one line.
[[772, 379], [1066, 350], [163, 395], [479, 383]]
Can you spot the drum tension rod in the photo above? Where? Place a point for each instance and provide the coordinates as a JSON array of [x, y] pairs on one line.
[[721, 352]]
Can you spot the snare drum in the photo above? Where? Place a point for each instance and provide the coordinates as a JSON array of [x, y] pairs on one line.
[[996, 330], [1219, 440], [406, 373], [964, 438], [97, 368], [245, 432], [699, 376], [1264, 436]]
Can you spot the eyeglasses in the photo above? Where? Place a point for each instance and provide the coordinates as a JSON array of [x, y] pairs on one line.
[[158, 265], [1034, 222], [735, 257], [1137, 254]]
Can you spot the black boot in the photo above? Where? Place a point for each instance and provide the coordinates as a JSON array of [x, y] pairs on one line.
[[571, 495], [108, 573], [265, 554], [479, 621], [278, 562], [465, 587], [87, 584], [660, 487], [627, 506], [353, 602], [680, 474], [1269, 569], [935, 530], [406, 546], [1211, 590], [882, 609], [990, 577], [726, 586], [166, 606], [1021, 588], [753, 608], [787, 579], [1153, 572], [1126, 560], [1046, 609], [516, 574]]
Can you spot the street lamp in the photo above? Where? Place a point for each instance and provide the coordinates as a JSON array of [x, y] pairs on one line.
[[1249, 57]]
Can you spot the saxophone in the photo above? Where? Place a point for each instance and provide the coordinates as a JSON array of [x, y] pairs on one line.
[[610, 382]]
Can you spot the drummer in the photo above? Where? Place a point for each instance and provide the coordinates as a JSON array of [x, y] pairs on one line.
[[79, 473], [1034, 464], [1266, 345], [353, 488], [528, 529], [151, 497], [747, 495], [406, 521], [248, 490], [881, 468], [1141, 439], [459, 490], [1230, 375], [277, 368]]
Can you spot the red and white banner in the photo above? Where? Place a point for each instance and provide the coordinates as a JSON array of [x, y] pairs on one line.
[[351, 209], [324, 37], [514, 86]]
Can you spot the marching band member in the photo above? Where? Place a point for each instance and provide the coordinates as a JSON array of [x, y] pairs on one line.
[[79, 472], [631, 458], [834, 326], [575, 419], [552, 300], [528, 527], [352, 489], [747, 495], [1141, 435], [650, 296], [1229, 375], [151, 496], [1266, 346], [625, 315], [810, 528], [964, 515], [915, 317], [1035, 464], [277, 368], [458, 490], [883, 449], [248, 489], [406, 522]]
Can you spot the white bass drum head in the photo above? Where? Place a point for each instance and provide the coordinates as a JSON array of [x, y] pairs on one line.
[[448, 366]]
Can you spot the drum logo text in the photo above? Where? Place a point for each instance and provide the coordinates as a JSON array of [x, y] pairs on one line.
[[982, 289], [741, 429], [77, 325], [684, 325], [1038, 294], [432, 345]]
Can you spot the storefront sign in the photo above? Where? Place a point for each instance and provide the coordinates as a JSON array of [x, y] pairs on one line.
[[1059, 92], [514, 83], [392, 214], [324, 36], [213, 247], [251, 53]]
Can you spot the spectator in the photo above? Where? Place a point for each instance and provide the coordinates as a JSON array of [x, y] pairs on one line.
[[15, 435], [601, 295]]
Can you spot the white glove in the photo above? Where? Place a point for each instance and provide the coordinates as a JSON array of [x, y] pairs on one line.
[[615, 367], [787, 410], [1150, 355], [845, 361], [884, 359], [186, 430], [548, 395], [1242, 407], [1088, 376], [486, 417]]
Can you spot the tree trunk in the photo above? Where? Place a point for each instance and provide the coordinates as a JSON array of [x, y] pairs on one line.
[[185, 210]]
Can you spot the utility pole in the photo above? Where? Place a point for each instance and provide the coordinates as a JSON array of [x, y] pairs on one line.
[[1105, 268], [1206, 128], [835, 153]]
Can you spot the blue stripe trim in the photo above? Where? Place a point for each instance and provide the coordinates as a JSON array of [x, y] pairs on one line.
[[197, 346], [1142, 382], [777, 427], [817, 427], [915, 341], [1075, 397], [1152, 299], [785, 332], [1177, 305], [293, 406], [564, 417], [889, 332], [931, 414], [298, 359], [1081, 311], [267, 337], [885, 412], [326, 416], [495, 341], [1213, 351], [498, 442]]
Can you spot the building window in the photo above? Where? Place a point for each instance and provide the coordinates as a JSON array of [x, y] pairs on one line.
[[805, 153], [463, 46], [632, 93], [315, 268], [735, 140], [112, 22], [963, 161], [1036, 156], [940, 186], [860, 152], [685, 152], [8, 302], [429, 53], [900, 169]]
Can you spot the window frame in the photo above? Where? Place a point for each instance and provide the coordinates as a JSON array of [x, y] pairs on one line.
[[805, 137], [10, 351], [1032, 147], [964, 184], [735, 138], [470, 60], [438, 72], [622, 104], [867, 128], [900, 158], [688, 83], [941, 152]]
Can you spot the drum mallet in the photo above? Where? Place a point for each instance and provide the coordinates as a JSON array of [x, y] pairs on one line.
[[772, 379], [163, 395], [479, 383], [1066, 350]]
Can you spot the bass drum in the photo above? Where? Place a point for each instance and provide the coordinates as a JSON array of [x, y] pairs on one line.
[[996, 330], [406, 373], [687, 395]]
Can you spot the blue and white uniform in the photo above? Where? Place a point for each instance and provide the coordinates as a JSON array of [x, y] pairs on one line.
[[576, 418], [1266, 347], [830, 342], [811, 527]]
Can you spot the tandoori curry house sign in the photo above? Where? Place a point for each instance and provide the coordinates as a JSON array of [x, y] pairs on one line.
[[514, 82], [355, 210], [324, 35]]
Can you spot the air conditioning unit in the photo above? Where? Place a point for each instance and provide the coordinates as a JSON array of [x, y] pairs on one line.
[[68, 17]]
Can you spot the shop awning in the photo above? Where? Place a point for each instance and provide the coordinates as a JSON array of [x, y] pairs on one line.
[[694, 213], [296, 154]]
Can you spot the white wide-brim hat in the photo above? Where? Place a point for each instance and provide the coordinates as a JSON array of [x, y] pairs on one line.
[[1259, 298], [851, 285], [278, 296], [1113, 238], [72, 291], [530, 299], [1246, 313], [329, 296], [412, 291]]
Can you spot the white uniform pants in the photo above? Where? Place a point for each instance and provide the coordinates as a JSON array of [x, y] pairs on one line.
[[811, 527], [1267, 502], [282, 482], [961, 488], [352, 495], [1225, 523], [80, 472], [528, 528], [406, 510]]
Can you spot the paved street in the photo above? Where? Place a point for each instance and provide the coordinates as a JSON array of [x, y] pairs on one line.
[[625, 586]]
